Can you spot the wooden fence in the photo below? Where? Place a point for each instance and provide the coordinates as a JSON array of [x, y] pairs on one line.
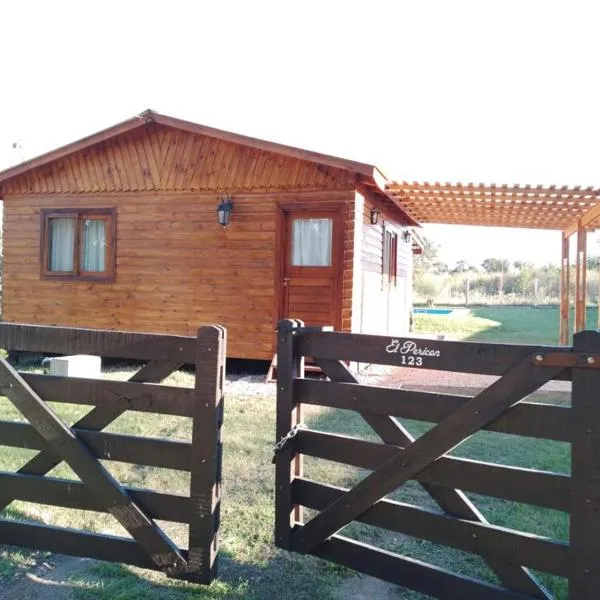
[[84, 443], [399, 457]]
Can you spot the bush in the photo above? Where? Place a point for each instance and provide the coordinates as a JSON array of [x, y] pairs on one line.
[[428, 288]]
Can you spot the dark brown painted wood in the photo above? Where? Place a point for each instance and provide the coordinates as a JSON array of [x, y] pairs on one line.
[[81, 446], [519, 382], [477, 538], [68, 446], [205, 483], [155, 371], [106, 394], [114, 344], [450, 500], [410, 573], [546, 421], [584, 566], [75, 543], [74, 494], [463, 357], [167, 454], [287, 464], [539, 488], [102, 416]]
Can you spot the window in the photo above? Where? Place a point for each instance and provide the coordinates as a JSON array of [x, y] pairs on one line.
[[390, 256], [78, 244], [311, 242]]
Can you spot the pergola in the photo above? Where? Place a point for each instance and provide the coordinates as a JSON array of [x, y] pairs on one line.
[[567, 209]]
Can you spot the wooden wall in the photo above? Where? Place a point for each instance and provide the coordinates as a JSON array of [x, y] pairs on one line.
[[176, 268], [384, 308]]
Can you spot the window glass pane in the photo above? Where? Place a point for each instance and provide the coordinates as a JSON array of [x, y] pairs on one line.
[[61, 239], [311, 242], [93, 246]]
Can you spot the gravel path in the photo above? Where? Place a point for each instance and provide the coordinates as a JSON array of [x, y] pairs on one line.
[[428, 379]]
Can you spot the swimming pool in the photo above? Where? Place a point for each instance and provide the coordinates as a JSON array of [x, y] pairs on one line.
[[433, 311]]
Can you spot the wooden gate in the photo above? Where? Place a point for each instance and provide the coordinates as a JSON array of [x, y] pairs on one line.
[[84, 443], [509, 553]]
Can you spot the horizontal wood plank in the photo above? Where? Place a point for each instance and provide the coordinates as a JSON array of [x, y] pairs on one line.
[[142, 397], [114, 344], [168, 454], [410, 573], [75, 543], [526, 418], [478, 538], [462, 357], [75, 494], [77, 455], [540, 488]]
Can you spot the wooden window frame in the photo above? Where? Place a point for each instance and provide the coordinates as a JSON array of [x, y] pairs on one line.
[[108, 215]]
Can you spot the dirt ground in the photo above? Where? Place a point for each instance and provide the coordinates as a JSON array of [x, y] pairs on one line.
[[50, 581], [362, 587], [46, 581]]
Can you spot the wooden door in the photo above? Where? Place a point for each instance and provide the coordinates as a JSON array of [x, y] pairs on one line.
[[312, 267]]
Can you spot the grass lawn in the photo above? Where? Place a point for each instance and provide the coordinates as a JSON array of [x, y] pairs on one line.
[[505, 324]]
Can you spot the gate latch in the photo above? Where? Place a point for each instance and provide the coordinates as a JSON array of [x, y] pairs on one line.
[[292, 433]]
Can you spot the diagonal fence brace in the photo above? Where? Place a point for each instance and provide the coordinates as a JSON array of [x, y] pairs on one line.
[[65, 443], [520, 381], [96, 419], [452, 501]]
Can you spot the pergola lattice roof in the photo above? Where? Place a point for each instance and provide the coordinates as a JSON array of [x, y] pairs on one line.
[[541, 207]]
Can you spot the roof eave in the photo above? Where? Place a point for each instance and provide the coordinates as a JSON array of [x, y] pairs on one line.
[[76, 146]]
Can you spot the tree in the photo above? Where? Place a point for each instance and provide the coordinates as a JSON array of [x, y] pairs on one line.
[[424, 262], [440, 267], [495, 265], [462, 266], [523, 265], [593, 262]]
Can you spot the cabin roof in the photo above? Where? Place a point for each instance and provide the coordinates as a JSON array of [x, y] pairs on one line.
[[368, 175], [539, 207], [370, 172]]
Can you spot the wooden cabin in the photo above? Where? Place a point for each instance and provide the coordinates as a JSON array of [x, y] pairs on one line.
[[119, 231]]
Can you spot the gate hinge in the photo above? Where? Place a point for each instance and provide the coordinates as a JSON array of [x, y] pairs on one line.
[[567, 359]]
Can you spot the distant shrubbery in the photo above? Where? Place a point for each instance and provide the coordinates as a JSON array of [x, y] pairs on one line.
[[496, 281]]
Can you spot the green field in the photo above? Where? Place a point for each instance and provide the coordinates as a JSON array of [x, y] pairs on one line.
[[506, 324], [251, 568]]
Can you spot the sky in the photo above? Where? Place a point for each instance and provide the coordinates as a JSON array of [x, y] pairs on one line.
[[496, 92]]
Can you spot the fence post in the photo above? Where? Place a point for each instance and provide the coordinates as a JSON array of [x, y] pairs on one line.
[[584, 569], [205, 483], [288, 465]]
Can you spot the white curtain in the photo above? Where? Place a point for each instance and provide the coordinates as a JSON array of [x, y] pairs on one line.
[[311, 242], [62, 244], [93, 246]]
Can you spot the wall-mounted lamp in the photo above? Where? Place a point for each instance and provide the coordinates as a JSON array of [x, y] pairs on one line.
[[406, 235], [224, 210], [374, 216]]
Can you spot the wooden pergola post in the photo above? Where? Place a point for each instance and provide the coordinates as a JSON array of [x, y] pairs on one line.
[[580, 278], [564, 292]]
